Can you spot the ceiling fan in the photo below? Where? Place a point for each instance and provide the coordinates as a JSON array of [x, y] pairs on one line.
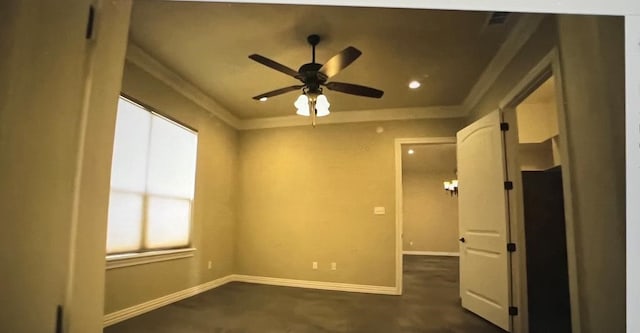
[[314, 76]]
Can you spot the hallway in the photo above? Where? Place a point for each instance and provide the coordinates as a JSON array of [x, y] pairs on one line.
[[430, 304]]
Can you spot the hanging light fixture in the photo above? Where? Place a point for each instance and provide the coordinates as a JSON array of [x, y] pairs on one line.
[[313, 76], [312, 100], [451, 187]]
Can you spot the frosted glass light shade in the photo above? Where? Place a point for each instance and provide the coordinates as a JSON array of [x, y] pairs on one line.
[[302, 105], [322, 106]]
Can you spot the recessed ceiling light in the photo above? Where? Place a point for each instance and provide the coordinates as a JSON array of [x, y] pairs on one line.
[[262, 99], [414, 84], [410, 151]]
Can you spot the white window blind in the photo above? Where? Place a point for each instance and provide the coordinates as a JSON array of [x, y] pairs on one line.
[[152, 182]]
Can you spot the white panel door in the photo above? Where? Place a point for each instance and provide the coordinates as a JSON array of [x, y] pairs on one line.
[[483, 221]]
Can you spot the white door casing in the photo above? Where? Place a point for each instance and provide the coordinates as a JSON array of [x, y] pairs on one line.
[[399, 195], [485, 281]]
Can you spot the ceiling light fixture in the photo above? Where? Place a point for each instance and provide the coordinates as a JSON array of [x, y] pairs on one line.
[[312, 103], [451, 187], [410, 151], [414, 84], [312, 100], [263, 99]]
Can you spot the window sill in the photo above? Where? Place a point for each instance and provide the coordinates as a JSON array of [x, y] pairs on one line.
[[133, 259]]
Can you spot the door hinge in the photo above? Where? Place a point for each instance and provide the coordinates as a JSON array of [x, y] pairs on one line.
[[513, 310], [508, 185], [511, 247], [59, 314], [90, 21], [504, 127]]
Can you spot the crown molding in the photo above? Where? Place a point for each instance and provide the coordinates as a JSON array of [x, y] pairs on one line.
[[149, 64], [433, 112], [522, 31]]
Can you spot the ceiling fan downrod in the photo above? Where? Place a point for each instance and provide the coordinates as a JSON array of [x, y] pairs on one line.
[[313, 41]]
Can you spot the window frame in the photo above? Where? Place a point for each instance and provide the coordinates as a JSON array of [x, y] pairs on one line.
[[144, 254]]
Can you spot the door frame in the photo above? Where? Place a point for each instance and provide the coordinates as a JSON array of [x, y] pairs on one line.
[[398, 142], [545, 68]]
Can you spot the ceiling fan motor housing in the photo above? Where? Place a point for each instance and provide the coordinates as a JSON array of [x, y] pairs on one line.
[[311, 77]]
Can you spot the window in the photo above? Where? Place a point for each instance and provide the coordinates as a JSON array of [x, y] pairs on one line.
[[152, 182]]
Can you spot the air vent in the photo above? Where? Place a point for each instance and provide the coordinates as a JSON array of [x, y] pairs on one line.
[[498, 17]]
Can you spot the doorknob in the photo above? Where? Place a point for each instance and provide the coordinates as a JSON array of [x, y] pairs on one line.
[[462, 240]]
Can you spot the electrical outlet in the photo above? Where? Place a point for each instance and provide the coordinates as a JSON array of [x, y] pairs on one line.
[[314, 265], [334, 266], [209, 265]]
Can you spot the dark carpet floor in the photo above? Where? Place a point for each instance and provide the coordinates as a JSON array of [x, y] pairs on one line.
[[429, 304]]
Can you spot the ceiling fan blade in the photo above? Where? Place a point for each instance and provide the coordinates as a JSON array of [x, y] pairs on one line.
[[340, 61], [275, 65], [354, 89], [278, 92]]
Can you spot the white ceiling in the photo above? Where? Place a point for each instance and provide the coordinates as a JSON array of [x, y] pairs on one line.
[[208, 45]]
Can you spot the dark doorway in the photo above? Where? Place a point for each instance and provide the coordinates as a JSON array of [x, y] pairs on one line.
[[547, 272]]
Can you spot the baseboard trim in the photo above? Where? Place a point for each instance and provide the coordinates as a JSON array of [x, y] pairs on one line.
[[336, 286], [431, 253], [136, 310]]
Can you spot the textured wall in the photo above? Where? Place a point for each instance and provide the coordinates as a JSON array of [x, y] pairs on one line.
[[537, 122], [536, 156], [430, 216], [592, 57], [307, 194]]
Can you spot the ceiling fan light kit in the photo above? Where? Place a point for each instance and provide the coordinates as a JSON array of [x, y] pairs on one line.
[[312, 101], [314, 76]]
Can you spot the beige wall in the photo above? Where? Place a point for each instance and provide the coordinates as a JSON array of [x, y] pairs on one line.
[[536, 156], [592, 57], [214, 203], [53, 198], [537, 118], [430, 215], [307, 194], [537, 122], [591, 52]]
